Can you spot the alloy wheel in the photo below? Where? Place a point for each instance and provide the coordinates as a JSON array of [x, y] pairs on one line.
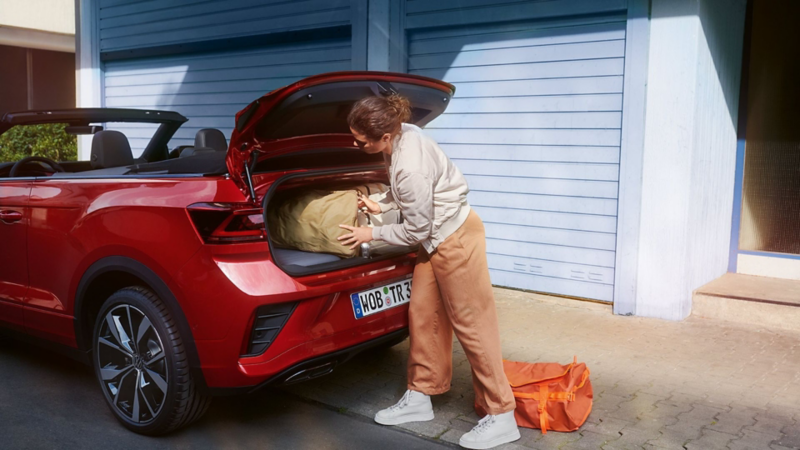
[[133, 367]]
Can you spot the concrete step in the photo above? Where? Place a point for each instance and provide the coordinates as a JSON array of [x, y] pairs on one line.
[[759, 301]]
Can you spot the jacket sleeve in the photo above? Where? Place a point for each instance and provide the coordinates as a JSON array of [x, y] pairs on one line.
[[385, 200], [416, 201]]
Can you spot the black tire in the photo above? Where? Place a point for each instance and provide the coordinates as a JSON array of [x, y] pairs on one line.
[[155, 383]]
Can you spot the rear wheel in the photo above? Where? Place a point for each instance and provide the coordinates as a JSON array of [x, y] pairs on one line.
[[141, 364]]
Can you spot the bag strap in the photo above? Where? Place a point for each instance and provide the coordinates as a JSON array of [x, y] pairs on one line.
[[551, 396], [543, 409]]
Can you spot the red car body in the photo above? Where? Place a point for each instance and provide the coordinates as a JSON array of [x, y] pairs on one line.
[[70, 242]]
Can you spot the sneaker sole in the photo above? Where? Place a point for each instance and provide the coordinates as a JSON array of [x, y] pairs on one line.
[[420, 417], [500, 440]]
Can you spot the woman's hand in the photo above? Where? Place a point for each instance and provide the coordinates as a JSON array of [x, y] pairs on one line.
[[356, 237], [365, 202]]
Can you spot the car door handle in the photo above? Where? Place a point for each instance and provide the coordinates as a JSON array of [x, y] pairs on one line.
[[10, 216]]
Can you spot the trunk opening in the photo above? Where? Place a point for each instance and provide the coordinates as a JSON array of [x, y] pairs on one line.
[[297, 262]]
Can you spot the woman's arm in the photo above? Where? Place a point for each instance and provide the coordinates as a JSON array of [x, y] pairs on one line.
[[416, 201], [385, 201]]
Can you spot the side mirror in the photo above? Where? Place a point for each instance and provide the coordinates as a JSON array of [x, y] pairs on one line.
[[76, 130]]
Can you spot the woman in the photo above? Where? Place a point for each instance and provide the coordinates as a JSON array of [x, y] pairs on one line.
[[451, 290]]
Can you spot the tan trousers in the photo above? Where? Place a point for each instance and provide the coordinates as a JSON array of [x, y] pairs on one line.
[[451, 291]]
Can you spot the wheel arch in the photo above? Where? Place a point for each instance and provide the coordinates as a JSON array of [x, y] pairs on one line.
[[109, 274]]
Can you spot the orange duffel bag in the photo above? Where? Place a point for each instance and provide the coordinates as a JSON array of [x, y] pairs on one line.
[[566, 390]]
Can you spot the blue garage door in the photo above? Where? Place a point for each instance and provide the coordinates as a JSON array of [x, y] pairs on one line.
[[535, 127], [210, 88]]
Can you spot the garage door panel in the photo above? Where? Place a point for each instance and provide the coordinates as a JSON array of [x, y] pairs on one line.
[[208, 16], [176, 100], [324, 18], [561, 286], [287, 57], [558, 253], [560, 69], [563, 221], [525, 169], [583, 137], [584, 154], [172, 88], [535, 126], [508, 11], [532, 120], [553, 269], [551, 103], [209, 89], [551, 236], [579, 205], [561, 52], [557, 86], [278, 73], [220, 109], [427, 43], [577, 188]]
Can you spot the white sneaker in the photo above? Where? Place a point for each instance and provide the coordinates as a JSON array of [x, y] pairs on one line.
[[413, 407], [491, 431]]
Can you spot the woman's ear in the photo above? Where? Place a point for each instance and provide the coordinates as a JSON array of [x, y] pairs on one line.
[[386, 137]]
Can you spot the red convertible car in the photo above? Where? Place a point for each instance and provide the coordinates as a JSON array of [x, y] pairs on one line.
[[158, 269]]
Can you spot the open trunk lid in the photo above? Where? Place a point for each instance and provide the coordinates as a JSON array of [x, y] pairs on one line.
[[315, 110]]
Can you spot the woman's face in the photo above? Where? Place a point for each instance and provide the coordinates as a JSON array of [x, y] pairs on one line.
[[369, 146]]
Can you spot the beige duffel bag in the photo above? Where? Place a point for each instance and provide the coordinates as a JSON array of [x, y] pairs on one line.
[[309, 221]]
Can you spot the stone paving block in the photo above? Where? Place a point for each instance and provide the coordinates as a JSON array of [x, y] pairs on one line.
[[770, 422], [451, 436], [621, 390], [791, 436], [689, 426], [530, 438], [589, 441], [607, 403], [608, 426], [555, 439], [429, 429], [665, 413], [639, 405], [631, 438], [733, 421], [660, 384], [710, 439], [751, 440]]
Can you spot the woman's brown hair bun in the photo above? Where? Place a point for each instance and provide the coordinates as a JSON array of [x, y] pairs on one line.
[[377, 115]]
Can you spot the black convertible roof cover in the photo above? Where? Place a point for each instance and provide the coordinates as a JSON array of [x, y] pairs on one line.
[[170, 122], [85, 116]]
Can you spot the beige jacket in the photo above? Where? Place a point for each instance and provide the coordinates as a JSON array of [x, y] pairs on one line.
[[428, 189]]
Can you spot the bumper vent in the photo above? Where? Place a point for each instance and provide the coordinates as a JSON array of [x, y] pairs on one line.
[[269, 321]]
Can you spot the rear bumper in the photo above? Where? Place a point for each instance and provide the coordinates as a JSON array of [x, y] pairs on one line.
[[317, 366], [222, 293]]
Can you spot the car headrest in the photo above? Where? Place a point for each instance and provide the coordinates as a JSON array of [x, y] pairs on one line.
[[110, 148], [211, 138], [191, 151]]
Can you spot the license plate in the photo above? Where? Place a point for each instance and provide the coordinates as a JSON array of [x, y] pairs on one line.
[[380, 299]]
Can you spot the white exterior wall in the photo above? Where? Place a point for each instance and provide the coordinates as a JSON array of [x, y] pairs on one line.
[[690, 150], [55, 16], [40, 24]]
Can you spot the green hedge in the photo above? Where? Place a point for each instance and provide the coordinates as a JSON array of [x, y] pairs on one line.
[[48, 140]]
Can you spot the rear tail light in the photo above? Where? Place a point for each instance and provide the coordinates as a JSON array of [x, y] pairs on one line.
[[228, 223]]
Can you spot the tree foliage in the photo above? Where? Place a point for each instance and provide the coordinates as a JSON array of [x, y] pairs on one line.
[[48, 140]]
